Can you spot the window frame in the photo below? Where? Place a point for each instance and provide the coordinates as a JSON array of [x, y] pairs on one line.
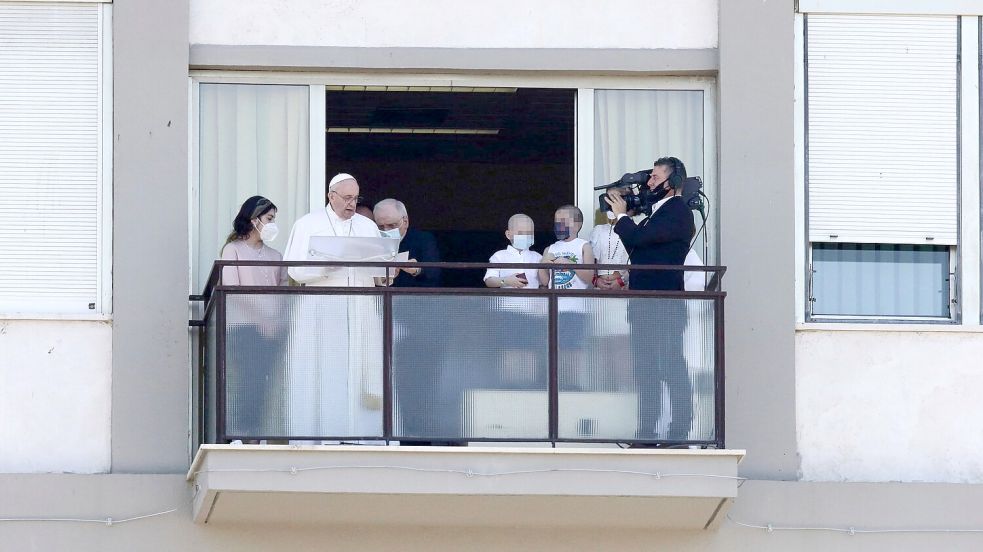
[[953, 305], [585, 85], [965, 257]]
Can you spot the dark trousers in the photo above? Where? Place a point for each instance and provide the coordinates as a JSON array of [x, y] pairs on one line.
[[657, 327]]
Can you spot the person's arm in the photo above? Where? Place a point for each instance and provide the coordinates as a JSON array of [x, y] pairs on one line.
[[230, 274], [544, 274], [587, 256], [493, 276]]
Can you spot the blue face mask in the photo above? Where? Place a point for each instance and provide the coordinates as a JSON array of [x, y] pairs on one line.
[[561, 230], [392, 233], [522, 241]]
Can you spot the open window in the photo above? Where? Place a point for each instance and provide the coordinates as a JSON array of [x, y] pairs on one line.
[[462, 158]]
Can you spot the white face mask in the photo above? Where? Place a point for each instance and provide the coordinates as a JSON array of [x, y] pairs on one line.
[[391, 233], [522, 241], [269, 232]]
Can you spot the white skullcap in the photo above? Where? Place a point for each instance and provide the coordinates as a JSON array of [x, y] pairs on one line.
[[338, 178]]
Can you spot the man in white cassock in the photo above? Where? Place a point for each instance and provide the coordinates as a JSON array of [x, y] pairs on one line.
[[335, 362]]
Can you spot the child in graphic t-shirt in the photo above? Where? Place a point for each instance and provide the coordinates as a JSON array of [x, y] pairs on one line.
[[569, 248]]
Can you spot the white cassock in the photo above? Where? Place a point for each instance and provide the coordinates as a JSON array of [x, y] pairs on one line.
[[335, 353]]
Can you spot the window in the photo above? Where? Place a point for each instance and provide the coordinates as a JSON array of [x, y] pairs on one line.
[[281, 135], [851, 279], [882, 164], [55, 157]]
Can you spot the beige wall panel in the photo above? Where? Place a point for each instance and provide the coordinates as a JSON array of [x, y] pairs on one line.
[[780, 503]]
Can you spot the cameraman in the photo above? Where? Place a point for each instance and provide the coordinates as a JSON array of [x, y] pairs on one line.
[[662, 238]]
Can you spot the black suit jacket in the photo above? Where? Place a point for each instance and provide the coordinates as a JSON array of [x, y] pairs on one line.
[[661, 239], [423, 247]]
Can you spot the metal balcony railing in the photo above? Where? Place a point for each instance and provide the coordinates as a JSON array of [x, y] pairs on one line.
[[457, 365]]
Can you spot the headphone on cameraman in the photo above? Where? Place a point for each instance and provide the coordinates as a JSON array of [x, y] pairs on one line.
[[678, 174]]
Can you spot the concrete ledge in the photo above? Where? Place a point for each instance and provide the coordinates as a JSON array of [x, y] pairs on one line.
[[455, 486], [331, 58]]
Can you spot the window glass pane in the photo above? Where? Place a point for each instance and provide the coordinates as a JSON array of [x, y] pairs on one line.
[[852, 279], [253, 140]]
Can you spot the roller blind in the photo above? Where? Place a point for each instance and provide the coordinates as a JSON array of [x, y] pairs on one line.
[[51, 158], [882, 128]]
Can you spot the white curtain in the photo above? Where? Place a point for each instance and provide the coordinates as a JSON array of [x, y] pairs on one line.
[[633, 128], [253, 140]]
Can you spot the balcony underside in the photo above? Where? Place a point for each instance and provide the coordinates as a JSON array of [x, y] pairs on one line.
[[458, 486]]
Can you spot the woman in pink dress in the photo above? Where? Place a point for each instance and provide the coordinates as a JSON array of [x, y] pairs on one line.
[[257, 326]]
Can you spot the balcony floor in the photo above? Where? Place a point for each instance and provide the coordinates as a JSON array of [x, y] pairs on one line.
[[463, 486]]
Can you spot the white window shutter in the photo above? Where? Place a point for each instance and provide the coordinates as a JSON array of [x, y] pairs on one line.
[[50, 158], [882, 128]]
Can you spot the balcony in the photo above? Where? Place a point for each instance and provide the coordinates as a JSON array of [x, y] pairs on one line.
[[527, 399]]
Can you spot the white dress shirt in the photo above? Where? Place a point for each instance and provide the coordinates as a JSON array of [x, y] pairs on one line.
[[512, 255]]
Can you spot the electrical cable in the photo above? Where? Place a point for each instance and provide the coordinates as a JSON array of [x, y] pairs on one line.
[[108, 521], [703, 227], [771, 528]]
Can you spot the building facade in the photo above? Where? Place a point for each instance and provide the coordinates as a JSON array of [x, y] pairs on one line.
[[839, 145]]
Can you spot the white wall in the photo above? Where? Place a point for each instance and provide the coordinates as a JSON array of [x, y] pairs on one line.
[[890, 405], [457, 24], [55, 385]]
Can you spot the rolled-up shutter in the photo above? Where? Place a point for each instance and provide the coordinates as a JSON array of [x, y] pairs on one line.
[[51, 171], [882, 128]]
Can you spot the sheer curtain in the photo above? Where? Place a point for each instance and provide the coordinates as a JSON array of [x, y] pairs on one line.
[[633, 128], [253, 139]]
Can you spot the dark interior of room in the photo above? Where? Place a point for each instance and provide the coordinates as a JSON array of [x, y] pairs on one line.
[[461, 187]]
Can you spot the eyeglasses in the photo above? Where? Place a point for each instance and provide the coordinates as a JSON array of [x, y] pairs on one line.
[[348, 199]]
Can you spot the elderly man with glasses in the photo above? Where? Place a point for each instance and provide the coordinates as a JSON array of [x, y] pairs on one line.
[[338, 218], [335, 368]]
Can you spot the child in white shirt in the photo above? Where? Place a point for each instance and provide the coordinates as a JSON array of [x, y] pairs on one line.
[[520, 234]]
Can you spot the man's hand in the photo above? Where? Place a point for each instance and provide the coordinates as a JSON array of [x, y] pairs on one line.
[[617, 203], [412, 271], [514, 281]]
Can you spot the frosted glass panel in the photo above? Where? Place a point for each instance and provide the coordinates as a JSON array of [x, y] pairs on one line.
[[211, 348], [637, 368], [304, 365], [880, 280], [470, 367]]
